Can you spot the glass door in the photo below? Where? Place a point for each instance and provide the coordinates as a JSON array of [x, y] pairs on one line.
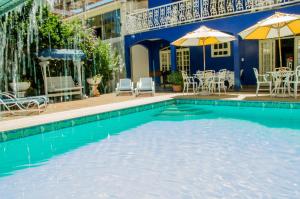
[[266, 56], [183, 60]]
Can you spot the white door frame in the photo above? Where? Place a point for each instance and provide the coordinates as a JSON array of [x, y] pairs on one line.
[[297, 51], [139, 62], [270, 43]]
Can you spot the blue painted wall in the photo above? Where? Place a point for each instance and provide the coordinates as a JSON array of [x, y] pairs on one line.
[[155, 3], [248, 50]]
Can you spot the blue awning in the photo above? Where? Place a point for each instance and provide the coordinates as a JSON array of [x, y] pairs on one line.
[[61, 54]]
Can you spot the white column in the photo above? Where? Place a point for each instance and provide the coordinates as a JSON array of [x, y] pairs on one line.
[[77, 63], [44, 65]]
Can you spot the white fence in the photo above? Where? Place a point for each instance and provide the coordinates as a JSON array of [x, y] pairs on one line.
[[187, 11]]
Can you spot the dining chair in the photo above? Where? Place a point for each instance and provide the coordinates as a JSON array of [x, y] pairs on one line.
[[187, 82], [295, 81], [219, 81], [200, 77], [262, 80], [209, 76], [282, 81]]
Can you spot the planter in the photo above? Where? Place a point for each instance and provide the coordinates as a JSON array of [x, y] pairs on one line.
[[20, 88], [177, 88], [93, 81], [94, 92]]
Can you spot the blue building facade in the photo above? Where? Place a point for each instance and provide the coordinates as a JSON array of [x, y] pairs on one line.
[[155, 31]]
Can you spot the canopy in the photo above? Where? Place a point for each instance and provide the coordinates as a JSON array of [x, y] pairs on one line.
[[6, 5], [276, 26], [61, 54], [203, 36]]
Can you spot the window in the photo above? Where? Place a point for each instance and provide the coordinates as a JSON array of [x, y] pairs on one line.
[[107, 25], [221, 50], [298, 51], [165, 60], [182, 59]]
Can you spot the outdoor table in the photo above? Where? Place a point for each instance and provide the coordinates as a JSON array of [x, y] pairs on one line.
[[280, 79]]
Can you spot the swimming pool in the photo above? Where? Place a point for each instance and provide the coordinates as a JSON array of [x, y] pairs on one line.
[[174, 151]]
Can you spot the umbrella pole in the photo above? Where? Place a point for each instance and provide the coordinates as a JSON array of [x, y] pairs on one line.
[[279, 46], [204, 62]]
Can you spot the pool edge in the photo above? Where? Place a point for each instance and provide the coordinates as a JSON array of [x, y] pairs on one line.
[[18, 133]]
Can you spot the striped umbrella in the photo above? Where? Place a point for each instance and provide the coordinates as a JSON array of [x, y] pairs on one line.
[[203, 36], [276, 26]]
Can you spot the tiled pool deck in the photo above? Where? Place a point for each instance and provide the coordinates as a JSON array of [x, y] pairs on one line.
[[32, 125]]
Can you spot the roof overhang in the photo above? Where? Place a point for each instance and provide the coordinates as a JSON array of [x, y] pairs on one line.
[[7, 5], [107, 7]]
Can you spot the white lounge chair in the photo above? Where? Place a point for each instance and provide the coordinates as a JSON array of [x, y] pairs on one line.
[[262, 80], [15, 105], [124, 86], [145, 85]]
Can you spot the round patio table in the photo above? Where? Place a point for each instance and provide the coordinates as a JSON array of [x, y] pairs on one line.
[[281, 81]]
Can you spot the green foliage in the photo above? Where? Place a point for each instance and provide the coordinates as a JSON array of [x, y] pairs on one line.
[[56, 33], [75, 34], [101, 60], [50, 31], [175, 78]]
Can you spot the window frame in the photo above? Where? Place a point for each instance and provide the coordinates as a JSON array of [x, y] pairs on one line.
[[218, 50]]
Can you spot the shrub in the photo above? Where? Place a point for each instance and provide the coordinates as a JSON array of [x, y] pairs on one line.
[[175, 78]]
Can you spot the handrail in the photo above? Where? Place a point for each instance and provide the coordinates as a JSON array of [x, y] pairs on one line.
[[188, 11]]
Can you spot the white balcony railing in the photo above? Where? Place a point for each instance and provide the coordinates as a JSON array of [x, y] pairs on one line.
[[187, 11]]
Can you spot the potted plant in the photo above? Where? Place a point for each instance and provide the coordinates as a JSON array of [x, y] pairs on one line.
[[175, 78], [94, 83]]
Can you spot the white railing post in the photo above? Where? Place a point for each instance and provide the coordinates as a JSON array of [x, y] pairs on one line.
[[201, 9]]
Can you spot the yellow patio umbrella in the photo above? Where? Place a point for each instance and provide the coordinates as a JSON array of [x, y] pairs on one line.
[[276, 26], [203, 36]]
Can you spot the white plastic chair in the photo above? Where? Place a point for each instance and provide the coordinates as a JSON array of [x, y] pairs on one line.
[[262, 80], [241, 74], [283, 69], [230, 79], [281, 81], [209, 76], [219, 81], [187, 82], [145, 85], [296, 81], [124, 86], [200, 77]]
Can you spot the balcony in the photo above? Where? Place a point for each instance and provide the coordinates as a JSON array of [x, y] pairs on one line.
[[189, 11]]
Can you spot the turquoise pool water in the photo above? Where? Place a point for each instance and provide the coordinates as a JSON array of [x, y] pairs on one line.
[[178, 151]]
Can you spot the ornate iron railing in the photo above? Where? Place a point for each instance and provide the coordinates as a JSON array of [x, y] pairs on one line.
[[187, 11]]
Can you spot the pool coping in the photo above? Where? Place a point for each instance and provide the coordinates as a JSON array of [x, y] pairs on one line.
[[21, 124], [23, 127], [241, 103]]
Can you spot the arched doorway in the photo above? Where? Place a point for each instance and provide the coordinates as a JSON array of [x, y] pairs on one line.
[[139, 62]]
